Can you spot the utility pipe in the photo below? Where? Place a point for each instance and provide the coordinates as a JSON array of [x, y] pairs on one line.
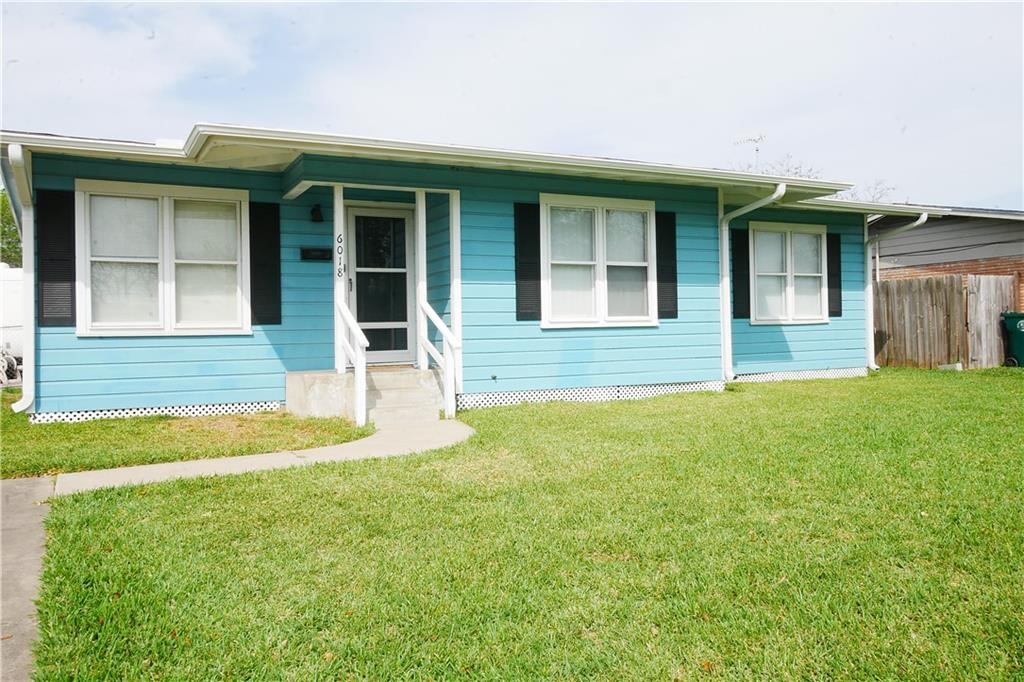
[[725, 276], [869, 290], [23, 191]]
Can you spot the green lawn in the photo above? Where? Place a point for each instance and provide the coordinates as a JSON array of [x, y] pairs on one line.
[[38, 449], [865, 528]]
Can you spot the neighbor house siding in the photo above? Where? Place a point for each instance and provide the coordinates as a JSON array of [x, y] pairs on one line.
[[838, 344], [115, 372], [949, 240]]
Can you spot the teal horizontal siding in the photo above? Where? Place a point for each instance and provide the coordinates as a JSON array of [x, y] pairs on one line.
[[837, 344], [92, 373], [500, 353], [503, 354], [438, 262]]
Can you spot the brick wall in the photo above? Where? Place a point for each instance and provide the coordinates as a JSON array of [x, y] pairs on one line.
[[1005, 265]]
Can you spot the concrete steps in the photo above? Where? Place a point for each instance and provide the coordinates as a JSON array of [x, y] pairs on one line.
[[403, 396]]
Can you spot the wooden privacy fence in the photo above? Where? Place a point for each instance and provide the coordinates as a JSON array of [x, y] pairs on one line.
[[932, 321]]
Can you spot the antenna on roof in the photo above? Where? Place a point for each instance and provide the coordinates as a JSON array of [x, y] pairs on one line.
[[756, 141]]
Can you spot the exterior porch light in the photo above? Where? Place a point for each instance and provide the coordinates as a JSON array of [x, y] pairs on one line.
[[316, 214]]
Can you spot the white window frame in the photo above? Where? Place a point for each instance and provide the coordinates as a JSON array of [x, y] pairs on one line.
[[165, 196], [789, 299], [601, 318]]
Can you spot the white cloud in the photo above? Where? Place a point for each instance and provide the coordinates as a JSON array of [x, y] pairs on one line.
[[68, 69], [926, 96]]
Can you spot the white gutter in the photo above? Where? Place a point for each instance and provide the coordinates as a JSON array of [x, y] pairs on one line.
[[888, 234], [20, 161], [205, 134], [725, 277]]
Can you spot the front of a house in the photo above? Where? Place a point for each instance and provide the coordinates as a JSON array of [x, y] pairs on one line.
[[198, 279]]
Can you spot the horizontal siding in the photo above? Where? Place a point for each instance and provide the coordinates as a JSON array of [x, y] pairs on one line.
[[500, 353], [840, 343], [438, 262], [503, 354], [116, 372], [949, 240]]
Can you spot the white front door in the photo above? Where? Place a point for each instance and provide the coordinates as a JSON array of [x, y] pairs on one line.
[[382, 284]]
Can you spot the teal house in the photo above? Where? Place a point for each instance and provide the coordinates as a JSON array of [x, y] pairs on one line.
[[248, 269]]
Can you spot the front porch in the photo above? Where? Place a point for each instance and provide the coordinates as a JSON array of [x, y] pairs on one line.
[[396, 290]]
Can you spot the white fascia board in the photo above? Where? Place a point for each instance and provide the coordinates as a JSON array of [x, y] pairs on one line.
[[487, 157], [56, 143], [868, 207], [204, 134]]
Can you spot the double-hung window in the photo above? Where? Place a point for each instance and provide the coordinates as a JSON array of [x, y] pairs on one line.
[[597, 262], [161, 259], [789, 280]]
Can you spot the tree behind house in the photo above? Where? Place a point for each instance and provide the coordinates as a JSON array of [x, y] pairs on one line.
[[10, 240]]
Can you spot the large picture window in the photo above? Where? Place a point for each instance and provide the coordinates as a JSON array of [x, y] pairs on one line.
[[789, 279], [597, 260], [161, 259]]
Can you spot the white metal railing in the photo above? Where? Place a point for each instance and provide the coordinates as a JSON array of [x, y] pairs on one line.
[[448, 363], [350, 338]]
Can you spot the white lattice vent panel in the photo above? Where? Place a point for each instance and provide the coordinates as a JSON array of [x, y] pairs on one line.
[[843, 373], [468, 401], [174, 411]]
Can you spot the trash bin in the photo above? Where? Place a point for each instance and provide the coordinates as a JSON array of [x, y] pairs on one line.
[[1014, 323]]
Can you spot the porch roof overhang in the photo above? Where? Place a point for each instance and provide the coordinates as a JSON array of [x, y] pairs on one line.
[[265, 149]]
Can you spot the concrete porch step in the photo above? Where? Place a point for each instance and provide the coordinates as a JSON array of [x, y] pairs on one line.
[[403, 396], [395, 395]]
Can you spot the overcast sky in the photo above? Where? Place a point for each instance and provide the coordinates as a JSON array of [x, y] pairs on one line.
[[928, 97]]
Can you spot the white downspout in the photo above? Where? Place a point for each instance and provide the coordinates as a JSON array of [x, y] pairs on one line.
[[20, 160], [869, 301], [725, 277], [869, 290]]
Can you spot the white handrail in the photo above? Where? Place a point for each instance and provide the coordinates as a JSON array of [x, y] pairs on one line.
[[355, 353], [353, 326], [449, 364]]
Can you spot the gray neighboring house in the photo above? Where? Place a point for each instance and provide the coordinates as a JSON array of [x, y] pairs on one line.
[[960, 241]]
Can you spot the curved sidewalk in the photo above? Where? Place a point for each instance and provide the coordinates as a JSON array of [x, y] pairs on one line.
[[24, 508]]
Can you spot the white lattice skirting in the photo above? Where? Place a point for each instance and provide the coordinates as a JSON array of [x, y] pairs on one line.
[[468, 401], [175, 411], [795, 375]]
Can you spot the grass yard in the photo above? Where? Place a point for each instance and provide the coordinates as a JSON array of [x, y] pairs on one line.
[[36, 450], [865, 528]]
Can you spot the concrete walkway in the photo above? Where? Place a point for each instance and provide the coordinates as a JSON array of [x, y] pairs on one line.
[[24, 507]]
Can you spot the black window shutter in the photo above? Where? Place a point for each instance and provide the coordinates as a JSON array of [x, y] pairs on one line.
[[55, 235], [740, 274], [668, 279], [527, 219], [265, 262], [834, 257]]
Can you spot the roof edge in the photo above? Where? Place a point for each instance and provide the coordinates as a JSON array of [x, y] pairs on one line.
[[202, 134]]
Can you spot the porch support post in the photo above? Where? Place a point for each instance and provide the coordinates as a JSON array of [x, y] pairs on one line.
[[340, 279], [455, 290], [421, 277]]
